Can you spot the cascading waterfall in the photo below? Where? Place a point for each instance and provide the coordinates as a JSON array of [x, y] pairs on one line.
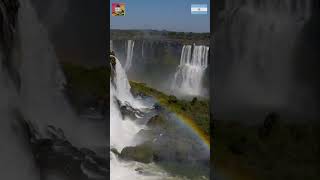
[[38, 99], [42, 80], [188, 78], [16, 155], [122, 87], [261, 39], [122, 131], [41, 76], [129, 54], [40, 92]]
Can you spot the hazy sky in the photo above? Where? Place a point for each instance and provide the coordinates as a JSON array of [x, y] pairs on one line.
[[172, 15]]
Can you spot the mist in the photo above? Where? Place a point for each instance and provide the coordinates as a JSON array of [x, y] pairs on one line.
[[158, 54], [148, 58], [260, 60]]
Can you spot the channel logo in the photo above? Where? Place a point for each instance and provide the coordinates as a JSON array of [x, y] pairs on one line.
[[199, 9], [118, 9]]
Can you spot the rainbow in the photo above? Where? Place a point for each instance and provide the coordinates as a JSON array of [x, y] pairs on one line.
[[184, 119], [189, 122], [195, 129]]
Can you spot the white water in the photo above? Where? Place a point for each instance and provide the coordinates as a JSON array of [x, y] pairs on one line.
[[39, 99], [188, 78], [41, 79], [16, 158], [122, 87], [129, 53], [122, 131], [41, 76]]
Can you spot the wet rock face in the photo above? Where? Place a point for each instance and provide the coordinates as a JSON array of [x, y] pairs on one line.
[[141, 153], [156, 122], [8, 19], [113, 64], [8, 22], [162, 142], [53, 151], [128, 111], [112, 60]]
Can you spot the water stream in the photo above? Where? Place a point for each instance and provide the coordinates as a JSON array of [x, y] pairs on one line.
[[188, 79]]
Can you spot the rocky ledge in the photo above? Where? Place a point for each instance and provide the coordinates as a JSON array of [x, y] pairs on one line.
[[52, 151]]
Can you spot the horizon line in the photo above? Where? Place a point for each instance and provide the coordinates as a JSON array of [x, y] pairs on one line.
[[164, 30]]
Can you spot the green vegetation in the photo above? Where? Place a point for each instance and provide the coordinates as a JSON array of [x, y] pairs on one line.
[[197, 110], [86, 83], [140, 153], [180, 37], [287, 151]]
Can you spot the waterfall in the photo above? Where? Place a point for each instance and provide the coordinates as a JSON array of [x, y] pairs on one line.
[[41, 83], [256, 47], [41, 76], [122, 87], [188, 78], [129, 53], [122, 131], [38, 100], [16, 155]]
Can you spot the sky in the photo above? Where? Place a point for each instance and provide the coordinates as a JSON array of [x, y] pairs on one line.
[[171, 15]]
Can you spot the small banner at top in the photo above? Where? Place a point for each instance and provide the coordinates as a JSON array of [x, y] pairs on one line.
[[118, 9], [199, 9]]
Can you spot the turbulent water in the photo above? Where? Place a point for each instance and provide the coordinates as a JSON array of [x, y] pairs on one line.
[[41, 80], [188, 79], [123, 131], [41, 76], [129, 53], [15, 154]]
